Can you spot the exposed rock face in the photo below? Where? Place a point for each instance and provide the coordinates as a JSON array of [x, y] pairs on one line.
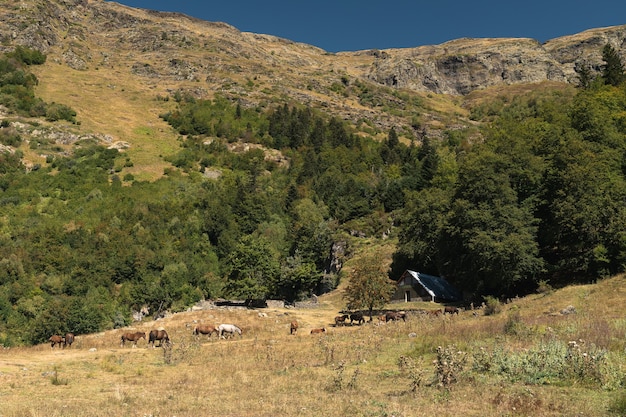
[[76, 27], [461, 66]]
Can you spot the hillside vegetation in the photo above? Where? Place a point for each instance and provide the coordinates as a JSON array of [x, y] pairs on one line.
[[268, 201]]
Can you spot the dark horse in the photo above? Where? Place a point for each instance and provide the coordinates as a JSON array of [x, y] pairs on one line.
[[358, 317], [132, 337], [160, 335], [69, 339]]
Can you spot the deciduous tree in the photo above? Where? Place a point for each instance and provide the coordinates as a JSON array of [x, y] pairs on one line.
[[369, 285]]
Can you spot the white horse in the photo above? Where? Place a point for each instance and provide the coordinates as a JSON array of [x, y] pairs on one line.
[[231, 329]]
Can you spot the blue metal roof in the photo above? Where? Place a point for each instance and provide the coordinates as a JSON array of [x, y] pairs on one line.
[[437, 287]]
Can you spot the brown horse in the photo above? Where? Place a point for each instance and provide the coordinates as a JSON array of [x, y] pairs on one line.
[[69, 339], [205, 329], [293, 327], [395, 315], [341, 319], [450, 310], [160, 335], [132, 337], [56, 340]]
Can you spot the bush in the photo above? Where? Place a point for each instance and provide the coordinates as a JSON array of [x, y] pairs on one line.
[[10, 138], [514, 326], [492, 306], [448, 365], [28, 56], [55, 112]]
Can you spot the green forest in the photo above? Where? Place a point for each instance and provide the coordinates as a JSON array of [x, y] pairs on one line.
[[538, 200]]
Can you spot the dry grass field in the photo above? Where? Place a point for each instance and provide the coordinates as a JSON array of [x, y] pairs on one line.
[[376, 369]]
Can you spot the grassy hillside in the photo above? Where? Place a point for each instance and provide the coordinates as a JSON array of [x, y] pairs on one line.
[[370, 370]]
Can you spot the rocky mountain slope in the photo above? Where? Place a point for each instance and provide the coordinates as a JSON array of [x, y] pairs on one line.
[[82, 34], [105, 58]]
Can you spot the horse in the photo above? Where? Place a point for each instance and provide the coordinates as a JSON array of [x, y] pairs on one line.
[[358, 317], [231, 329], [318, 331], [341, 319], [160, 335], [56, 340], [69, 339], [450, 310], [435, 312], [205, 329], [395, 315], [133, 337], [293, 328]]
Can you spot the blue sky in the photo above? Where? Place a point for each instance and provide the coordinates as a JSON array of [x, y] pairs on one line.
[[350, 25]]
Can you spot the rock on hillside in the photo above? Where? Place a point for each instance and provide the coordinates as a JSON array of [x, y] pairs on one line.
[[463, 65]]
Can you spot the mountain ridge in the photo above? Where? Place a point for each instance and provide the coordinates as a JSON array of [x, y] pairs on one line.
[[114, 64], [76, 28]]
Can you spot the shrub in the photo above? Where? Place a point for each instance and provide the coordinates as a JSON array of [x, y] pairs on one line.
[[492, 306], [28, 56], [543, 287], [409, 366], [55, 112], [514, 326], [10, 138], [448, 365]]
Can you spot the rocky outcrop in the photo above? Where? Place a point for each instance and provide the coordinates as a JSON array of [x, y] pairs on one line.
[[461, 66]]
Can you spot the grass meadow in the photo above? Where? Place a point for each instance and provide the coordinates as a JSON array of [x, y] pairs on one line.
[[527, 359]]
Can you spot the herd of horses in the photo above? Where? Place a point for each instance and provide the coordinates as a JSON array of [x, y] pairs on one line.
[[224, 331], [389, 316], [156, 335]]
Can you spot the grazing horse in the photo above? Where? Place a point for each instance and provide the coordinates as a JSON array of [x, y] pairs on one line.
[[450, 310], [132, 337], [56, 340], [69, 339], [160, 335], [395, 315], [358, 317], [341, 319], [231, 329], [205, 329], [293, 327], [318, 331]]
